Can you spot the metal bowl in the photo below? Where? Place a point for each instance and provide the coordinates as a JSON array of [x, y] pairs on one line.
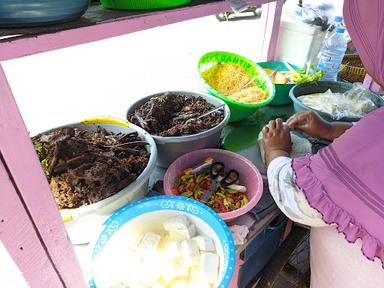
[[16, 13], [170, 148]]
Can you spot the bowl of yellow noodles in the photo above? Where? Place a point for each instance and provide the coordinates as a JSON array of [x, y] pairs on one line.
[[238, 81]]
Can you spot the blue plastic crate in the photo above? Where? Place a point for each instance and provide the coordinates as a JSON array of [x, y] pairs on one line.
[[261, 250]]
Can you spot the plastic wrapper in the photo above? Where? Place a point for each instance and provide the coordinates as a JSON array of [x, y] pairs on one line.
[[318, 13], [239, 233], [354, 103], [238, 5]]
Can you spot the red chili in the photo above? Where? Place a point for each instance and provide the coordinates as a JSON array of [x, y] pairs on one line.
[[190, 186], [221, 204], [204, 184], [174, 191]]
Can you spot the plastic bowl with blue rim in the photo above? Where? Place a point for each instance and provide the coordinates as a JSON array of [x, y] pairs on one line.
[[110, 249]]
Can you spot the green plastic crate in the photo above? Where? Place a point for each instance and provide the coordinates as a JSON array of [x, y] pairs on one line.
[[142, 4]]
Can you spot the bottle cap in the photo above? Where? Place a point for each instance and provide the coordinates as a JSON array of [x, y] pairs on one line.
[[340, 30], [338, 19]]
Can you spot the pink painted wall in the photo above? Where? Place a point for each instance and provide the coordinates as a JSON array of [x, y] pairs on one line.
[[30, 224], [271, 16], [47, 42]]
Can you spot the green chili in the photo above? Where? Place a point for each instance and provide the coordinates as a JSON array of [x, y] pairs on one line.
[[187, 194], [244, 201]]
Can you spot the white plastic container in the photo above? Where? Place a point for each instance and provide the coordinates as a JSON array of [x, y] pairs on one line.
[[83, 222], [299, 42]]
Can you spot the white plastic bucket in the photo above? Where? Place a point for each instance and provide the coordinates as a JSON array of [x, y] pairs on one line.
[[81, 223], [299, 42]]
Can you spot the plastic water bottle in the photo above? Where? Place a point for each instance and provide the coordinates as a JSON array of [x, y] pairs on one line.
[[332, 55], [337, 23]]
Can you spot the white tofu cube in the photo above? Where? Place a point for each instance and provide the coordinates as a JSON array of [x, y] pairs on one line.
[[130, 271], [195, 274], [190, 252], [176, 223], [205, 243], [148, 243], [174, 269], [140, 285], [196, 279], [158, 285], [172, 249], [150, 270], [209, 264], [183, 234], [179, 283]]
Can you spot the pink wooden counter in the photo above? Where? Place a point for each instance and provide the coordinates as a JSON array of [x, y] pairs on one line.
[[30, 225]]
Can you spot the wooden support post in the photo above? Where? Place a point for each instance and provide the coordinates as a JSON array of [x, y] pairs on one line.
[[271, 16], [31, 228]]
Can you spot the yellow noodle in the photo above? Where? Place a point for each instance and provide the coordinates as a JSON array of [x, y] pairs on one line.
[[228, 78], [249, 95]]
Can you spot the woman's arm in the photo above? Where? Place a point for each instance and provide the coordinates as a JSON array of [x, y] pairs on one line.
[[312, 124], [288, 197]]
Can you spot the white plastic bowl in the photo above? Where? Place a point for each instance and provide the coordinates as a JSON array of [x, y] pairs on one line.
[[110, 255], [81, 223]]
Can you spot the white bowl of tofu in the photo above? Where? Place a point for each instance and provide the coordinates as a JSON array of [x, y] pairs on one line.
[[163, 242]]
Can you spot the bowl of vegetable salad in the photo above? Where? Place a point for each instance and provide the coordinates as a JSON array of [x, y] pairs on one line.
[[191, 176]]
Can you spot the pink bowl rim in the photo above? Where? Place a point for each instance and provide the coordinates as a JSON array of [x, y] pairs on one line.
[[228, 216]]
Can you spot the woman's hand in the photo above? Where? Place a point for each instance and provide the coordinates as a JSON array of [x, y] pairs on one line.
[[276, 140], [312, 124]]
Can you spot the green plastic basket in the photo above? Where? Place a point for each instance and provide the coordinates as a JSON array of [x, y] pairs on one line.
[[282, 90], [142, 4], [239, 110]]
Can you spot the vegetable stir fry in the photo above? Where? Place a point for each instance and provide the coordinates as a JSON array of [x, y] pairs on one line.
[[194, 185], [300, 76]]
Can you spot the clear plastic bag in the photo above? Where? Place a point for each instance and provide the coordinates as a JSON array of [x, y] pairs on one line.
[[354, 103], [238, 5]]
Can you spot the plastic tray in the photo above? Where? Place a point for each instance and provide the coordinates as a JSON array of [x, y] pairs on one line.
[[142, 4]]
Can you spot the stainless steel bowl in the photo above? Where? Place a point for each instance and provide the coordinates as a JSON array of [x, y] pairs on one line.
[[16, 13], [170, 148]]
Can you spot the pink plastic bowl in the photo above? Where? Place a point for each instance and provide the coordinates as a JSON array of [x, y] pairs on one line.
[[249, 175]]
